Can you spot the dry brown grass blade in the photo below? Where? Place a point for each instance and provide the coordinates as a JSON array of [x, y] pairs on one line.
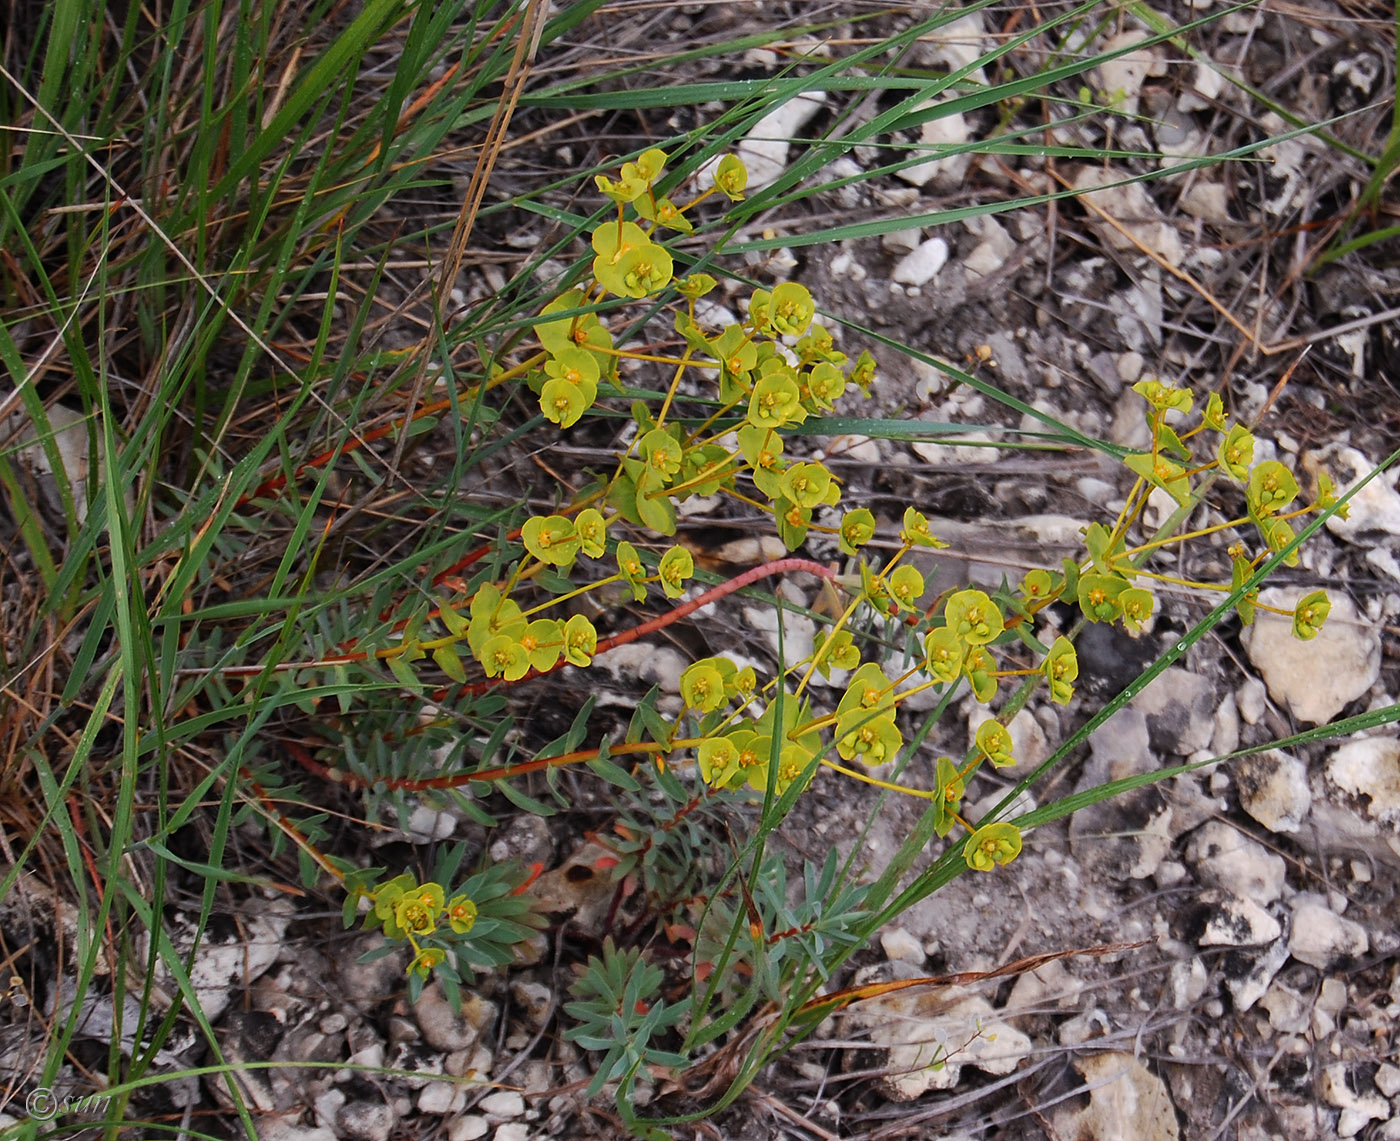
[[531, 27], [829, 1003], [1180, 274]]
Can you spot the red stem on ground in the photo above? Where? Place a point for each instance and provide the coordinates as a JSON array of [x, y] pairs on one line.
[[456, 780], [276, 483], [661, 621]]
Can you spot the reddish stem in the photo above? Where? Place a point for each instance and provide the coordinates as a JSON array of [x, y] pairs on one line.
[[405, 784], [276, 483], [661, 621]]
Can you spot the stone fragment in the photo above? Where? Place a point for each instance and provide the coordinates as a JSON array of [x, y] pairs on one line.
[[764, 149], [990, 254], [66, 431], [901, 242], [1368, 770], [417, 1062], [369, 983], [1289, 1012], [1273, 788], [1375, 508], [1387, 1080], [429, 825], [1320, 937], [441, 1098], [469, 1127], [1252, 697], [797, 638], [1083, 1027], [1316, 679], [503, 1105], [1225, 736], [1119, 746], [283, 1127], [1180, 711], [512, 1131], [1187, 983], [1050, 985], [1224, 857], [1230, 921], [1125, 1100], [644, 662], [1357, 1108], [967, 1033], [1121, 78], [936, 137], [973, 450], [534, 1001], [327, 1104], [229, 956], [1126, 216], [921, 265], [1248, 988], [447, 1030], [1125, 837], [898, 944], [1205, 84], [364, 1121]]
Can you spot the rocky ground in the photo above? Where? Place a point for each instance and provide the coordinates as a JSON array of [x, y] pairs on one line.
[[1261, 997]]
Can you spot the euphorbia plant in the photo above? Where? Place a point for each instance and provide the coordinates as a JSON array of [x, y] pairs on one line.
[[741, 736]]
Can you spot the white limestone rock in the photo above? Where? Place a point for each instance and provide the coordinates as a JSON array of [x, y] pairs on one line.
[[1125, 1100], [1316, 679], [365, 1121], [442, 1098], [990, 254], [447, 1029], [918, 1034], [1375, 508], [1252, 697], [1225, 857], [1121, 78], [503, 1105], [1231, 921], [1125, 215], [922, 263], [469, 1127], [1358, 1108], [227, 959], [1320, 937], [1180, 711], [936, 137], [899, 945], [1273, 788], [1248, 988], [764, 150], [644, 662], [1368, 772], [1289, 1012]]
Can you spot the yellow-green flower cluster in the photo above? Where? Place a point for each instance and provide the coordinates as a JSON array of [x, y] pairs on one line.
[[413, 912]]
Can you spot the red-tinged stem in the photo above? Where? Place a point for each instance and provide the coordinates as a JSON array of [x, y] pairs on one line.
[[348, 655], [290, 830], [457, 780], [661, 621], [352, 780], [274, 485]]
